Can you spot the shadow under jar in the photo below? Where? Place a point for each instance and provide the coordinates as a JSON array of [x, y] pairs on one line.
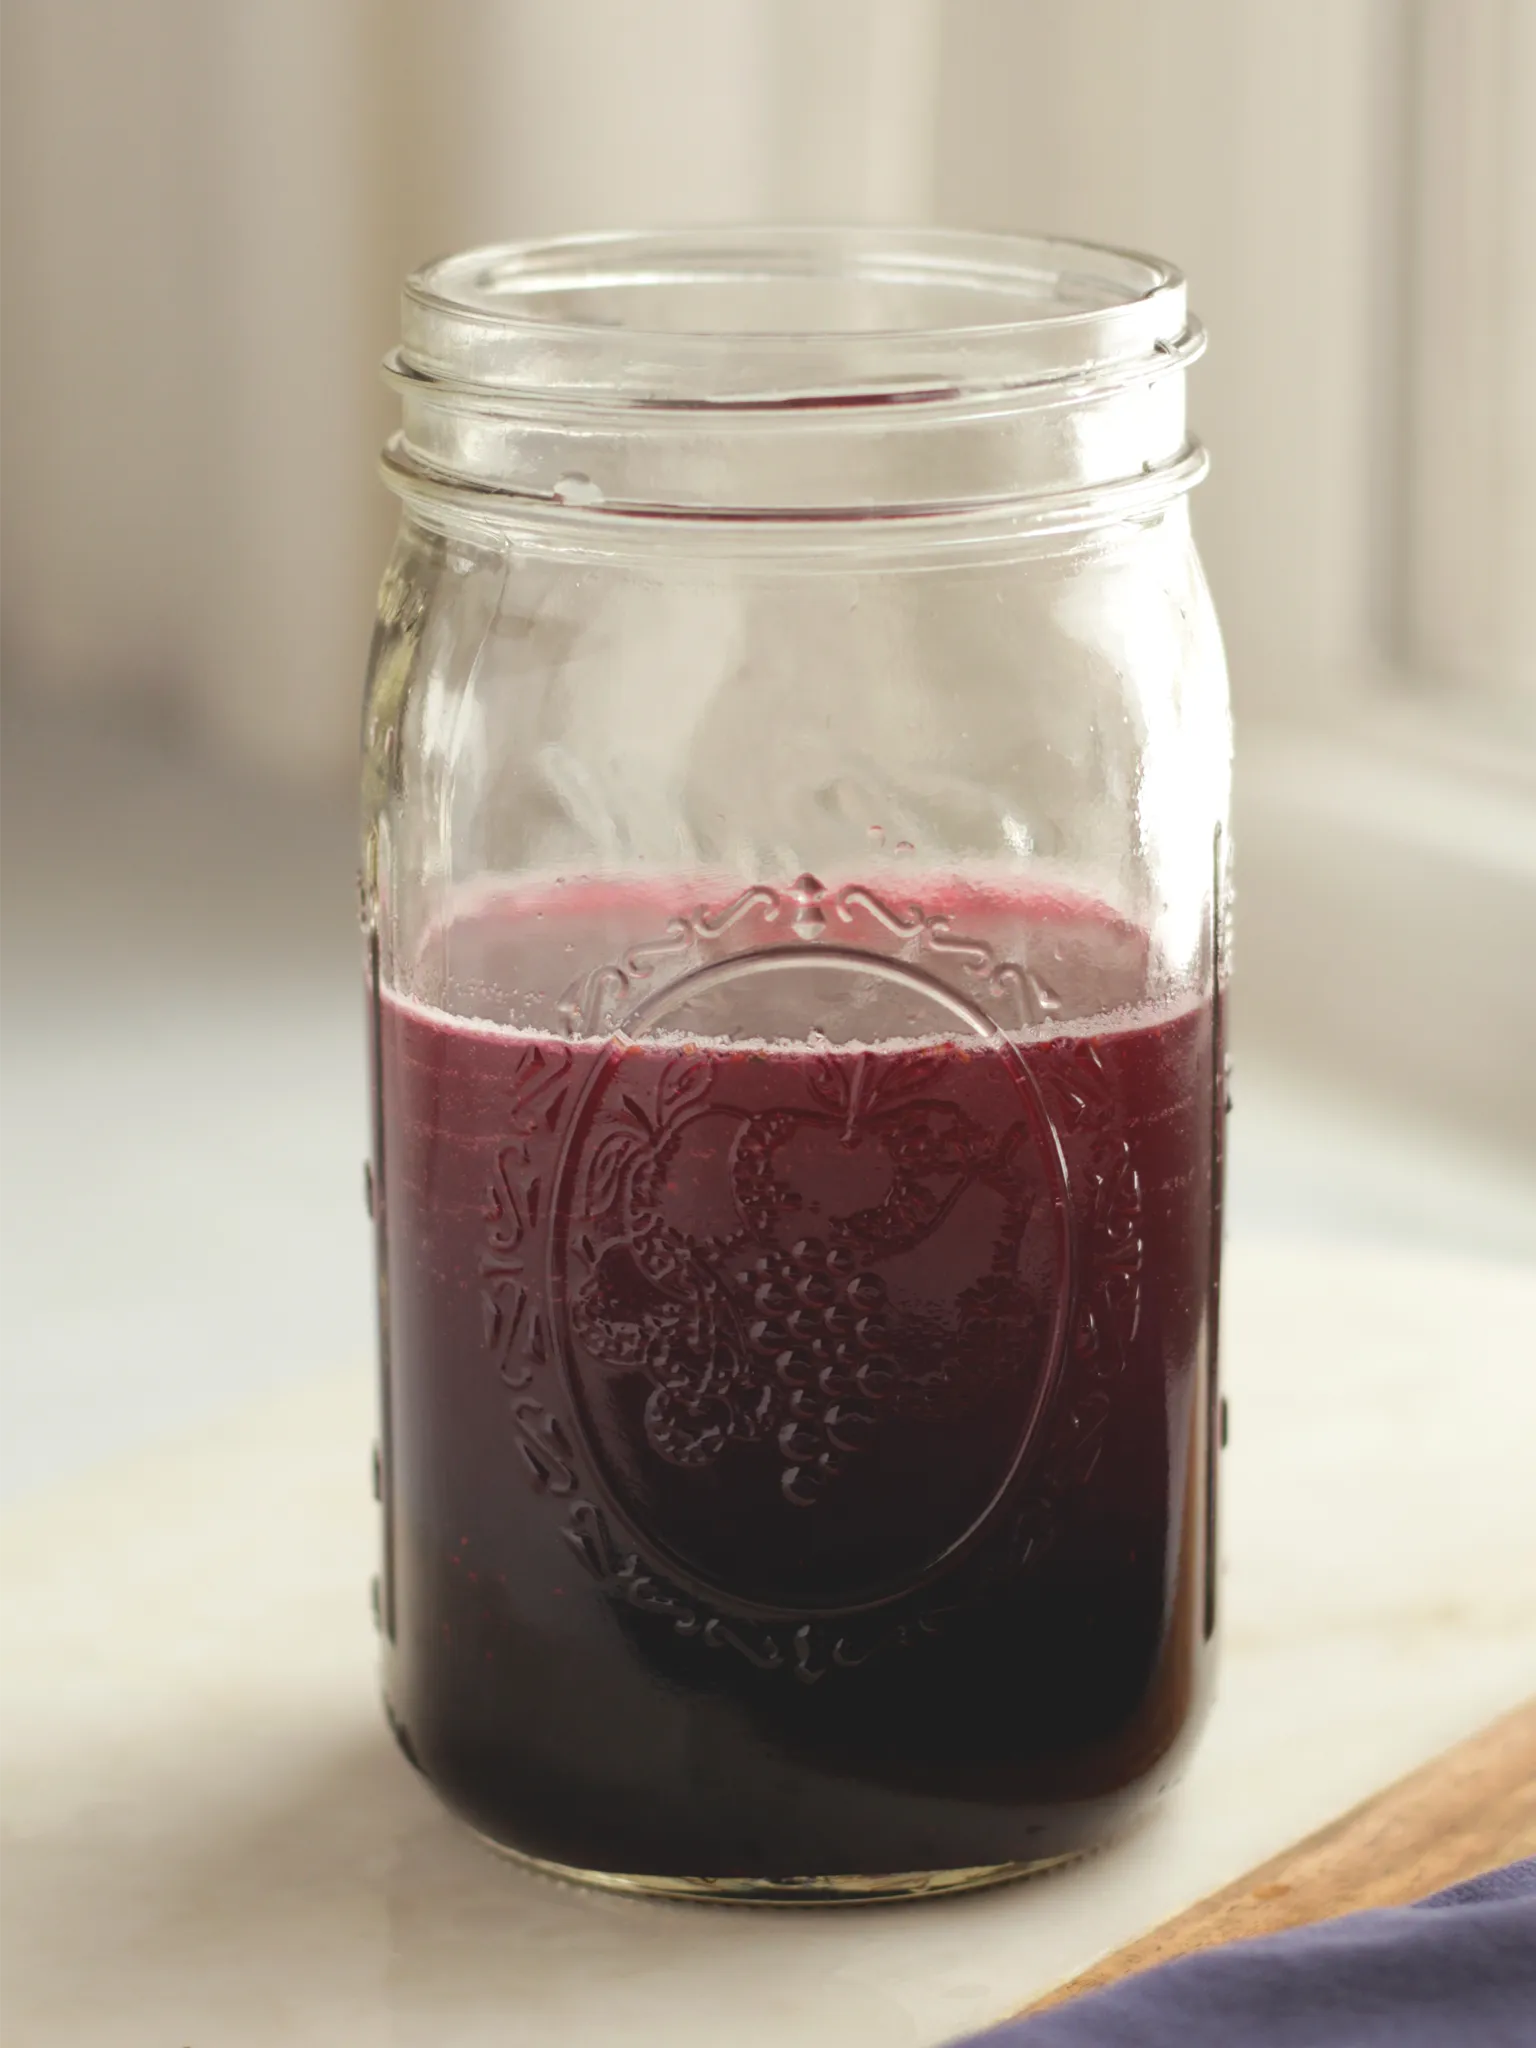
[[796, 764]]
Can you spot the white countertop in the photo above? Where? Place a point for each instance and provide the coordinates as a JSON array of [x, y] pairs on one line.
[[212, 1842]]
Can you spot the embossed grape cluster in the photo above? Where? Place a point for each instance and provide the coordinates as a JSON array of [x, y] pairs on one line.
[[824, 1322]]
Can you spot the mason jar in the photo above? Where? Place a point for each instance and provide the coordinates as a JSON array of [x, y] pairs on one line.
[[794, 869]]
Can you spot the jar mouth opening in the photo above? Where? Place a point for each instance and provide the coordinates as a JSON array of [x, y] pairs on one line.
[[773, 316]]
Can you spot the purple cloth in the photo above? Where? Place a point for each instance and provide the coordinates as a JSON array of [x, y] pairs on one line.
[[1455, 1971]]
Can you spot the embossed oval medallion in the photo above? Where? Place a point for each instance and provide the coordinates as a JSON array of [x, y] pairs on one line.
[[808, 1294]]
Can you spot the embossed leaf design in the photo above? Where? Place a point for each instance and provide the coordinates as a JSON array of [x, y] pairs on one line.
[[830, 1082], [898, 1079], [615, 1155], [542, 1069], [684, 1083], [636, 1109]]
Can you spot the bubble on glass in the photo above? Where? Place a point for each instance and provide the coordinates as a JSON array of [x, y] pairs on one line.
[[578, 489]]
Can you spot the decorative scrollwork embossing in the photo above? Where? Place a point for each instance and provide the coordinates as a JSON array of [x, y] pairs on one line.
[[1013, 991], [1108, 1306], [516, 1339], [807, 1651]]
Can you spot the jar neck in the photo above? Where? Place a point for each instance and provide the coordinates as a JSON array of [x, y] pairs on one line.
[[526, 374]]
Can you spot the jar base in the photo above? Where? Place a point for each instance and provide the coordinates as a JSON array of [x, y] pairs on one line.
[[849, 1890]]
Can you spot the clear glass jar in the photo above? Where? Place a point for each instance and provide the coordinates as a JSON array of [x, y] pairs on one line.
[[796, 769]]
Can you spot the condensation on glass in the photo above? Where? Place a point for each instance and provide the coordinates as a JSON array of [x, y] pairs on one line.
[[796, 760]]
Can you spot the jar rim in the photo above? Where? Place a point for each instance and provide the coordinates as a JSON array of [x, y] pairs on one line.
[[758, 316]]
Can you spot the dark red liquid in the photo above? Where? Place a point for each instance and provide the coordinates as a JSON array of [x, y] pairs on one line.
[[798, 1457]]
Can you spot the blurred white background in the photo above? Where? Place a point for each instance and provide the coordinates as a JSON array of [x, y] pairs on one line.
[[208, 207]]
